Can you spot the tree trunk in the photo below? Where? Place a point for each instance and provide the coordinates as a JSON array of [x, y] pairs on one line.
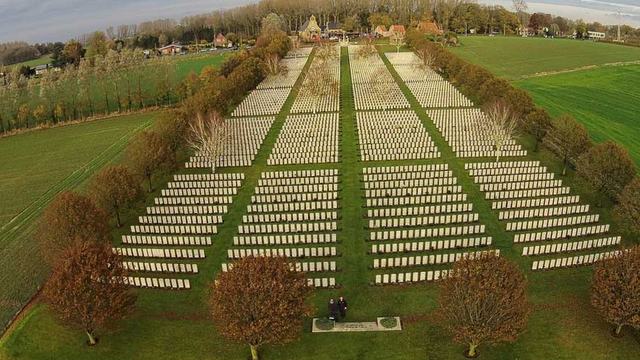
[[140, 93], [618, 329], [536, 145], [472, 350], [150, 185], [564, 165], [118, 99], [254, 352], [92, 339], [118, 223], [106, 101]]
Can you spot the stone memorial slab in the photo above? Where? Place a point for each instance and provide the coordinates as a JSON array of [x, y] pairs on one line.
[[322, 325]]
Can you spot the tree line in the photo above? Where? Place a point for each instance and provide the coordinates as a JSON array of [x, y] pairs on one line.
[[112, 81], [244, 22]]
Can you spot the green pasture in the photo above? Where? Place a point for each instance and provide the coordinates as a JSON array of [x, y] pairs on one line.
[[44, 59], [195, 63], [606, 100], [170, 325], [514, 58], [35, 167]]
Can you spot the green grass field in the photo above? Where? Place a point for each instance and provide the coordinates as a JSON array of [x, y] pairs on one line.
[[44, 59], [604, 98], [515, 57], [170, 325], [36, 166], [195, 63]]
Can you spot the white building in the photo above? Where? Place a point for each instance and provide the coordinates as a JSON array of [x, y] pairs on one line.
[[596, 35]]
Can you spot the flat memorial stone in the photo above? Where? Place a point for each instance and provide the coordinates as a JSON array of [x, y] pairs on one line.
[[381, 324]]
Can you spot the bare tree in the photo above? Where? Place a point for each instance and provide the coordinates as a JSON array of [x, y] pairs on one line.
[[273, 66], [521, 7], [501, 126], [379, 86], [367, 49], [208, 135], [427, 59], [319, 83], [397, 39]]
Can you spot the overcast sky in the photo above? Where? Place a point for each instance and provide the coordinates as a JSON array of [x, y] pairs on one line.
[[604, 11], [59, 20]]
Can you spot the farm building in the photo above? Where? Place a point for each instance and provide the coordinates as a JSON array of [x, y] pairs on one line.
[[310, 30], [333, 28], [430, 27], [220, 40], [380, 30], [172, 49], [41, 69], [595, 35], [396, 29]]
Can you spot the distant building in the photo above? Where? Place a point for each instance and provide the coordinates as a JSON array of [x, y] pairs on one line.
[[220, 40], [333, 28], [172, 49], [526, 31], [430, 28], [595, 35], [41, 69], [381, 30], [310, 30], [396, 29]]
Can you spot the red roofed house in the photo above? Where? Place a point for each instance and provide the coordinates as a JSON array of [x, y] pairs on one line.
[[381, 30], [220, 40], [430, 28], [172, 49], [396, 29]]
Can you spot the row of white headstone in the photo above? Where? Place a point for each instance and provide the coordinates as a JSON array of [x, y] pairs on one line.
[[289, 215], [540, 205], [307, 139], [394, 214], [243, 140], [393, 135]]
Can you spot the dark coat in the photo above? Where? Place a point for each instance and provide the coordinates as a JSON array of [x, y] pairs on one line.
[[333, 309], [342, 305]]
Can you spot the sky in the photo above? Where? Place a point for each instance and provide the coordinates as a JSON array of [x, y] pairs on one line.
[[602, 11], [59, 20]]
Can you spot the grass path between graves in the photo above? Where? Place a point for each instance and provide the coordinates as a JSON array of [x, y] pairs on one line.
[[169, 325]]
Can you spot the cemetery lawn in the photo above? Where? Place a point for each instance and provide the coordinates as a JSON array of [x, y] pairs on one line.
[[36, 166], [515, 57], [605, 100], [171, 324]]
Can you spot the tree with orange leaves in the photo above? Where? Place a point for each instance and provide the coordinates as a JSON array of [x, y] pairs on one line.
[[87, 290], [70, 217], [114, 188], [260, 300], [483, 299], [615, 289]]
